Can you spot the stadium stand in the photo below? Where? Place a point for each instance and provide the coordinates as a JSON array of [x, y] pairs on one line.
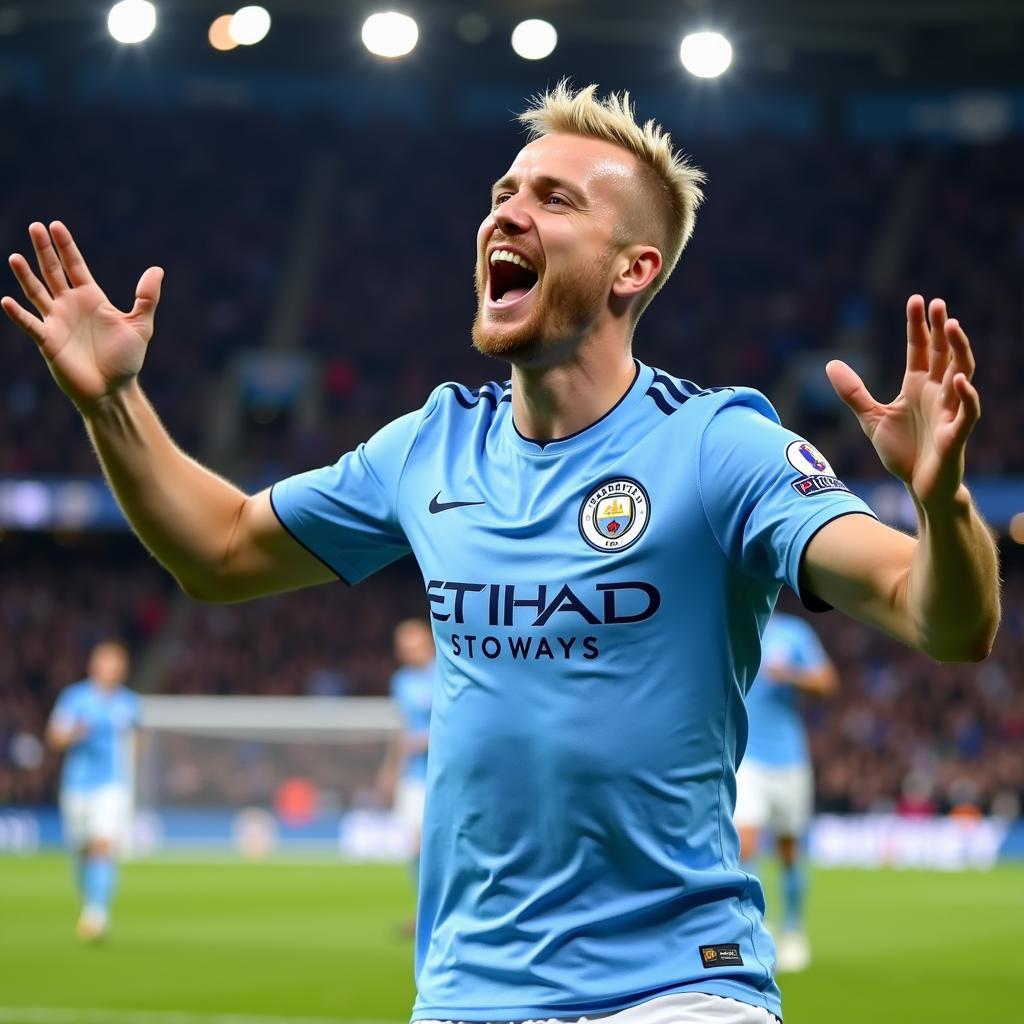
[[903, 735], [221, 250], [806, 249]]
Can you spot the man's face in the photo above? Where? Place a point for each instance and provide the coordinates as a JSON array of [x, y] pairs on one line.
[[414, 644], [557, 208], [108, 665]]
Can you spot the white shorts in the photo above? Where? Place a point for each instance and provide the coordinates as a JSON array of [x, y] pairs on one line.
[[96, 814], [781, 799], [410, 798], [680, 1008]]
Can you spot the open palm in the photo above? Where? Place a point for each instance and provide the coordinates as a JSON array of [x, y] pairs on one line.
[[91, 347], [920, 436]]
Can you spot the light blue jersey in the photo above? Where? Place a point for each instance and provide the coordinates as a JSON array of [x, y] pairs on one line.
[[597, 604], [777, 736], [412, 690], [102, 758]]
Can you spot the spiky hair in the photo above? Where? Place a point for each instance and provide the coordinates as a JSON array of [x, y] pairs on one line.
[[674, 182]]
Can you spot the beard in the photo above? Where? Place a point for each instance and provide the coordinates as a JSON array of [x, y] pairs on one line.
[[566, 306]]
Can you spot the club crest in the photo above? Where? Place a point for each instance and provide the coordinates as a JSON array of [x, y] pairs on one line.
[[614, 514]]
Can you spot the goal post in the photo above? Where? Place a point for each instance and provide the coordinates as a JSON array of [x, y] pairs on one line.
[[260, 775]]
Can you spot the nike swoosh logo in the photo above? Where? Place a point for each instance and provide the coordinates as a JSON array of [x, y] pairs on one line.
[[443, 506]]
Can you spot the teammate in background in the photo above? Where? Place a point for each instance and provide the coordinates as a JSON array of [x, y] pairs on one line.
[[92, 723], [402, 781], [775, 781], [602, 544]]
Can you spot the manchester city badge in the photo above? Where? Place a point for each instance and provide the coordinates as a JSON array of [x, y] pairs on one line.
[[614, 514]]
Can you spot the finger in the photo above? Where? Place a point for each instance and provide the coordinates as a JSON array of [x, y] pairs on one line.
[[970, 408], [147, 295], [34, 289], [939, 353], [74, 264], [49, 262], [851, 389], [22, 318], [950, 398], [917, 334], [960, 347]]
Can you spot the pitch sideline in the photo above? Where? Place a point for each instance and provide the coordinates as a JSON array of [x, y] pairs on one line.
[[69, 1015]]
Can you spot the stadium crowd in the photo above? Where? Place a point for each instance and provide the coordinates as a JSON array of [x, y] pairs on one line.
[[222, 249], [904, 734], [911, 736], [777, 276]]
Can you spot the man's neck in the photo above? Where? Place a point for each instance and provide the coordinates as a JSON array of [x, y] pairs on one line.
[[555, 401]]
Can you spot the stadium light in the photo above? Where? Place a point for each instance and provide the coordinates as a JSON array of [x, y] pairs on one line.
[[390, 34], [220, 36], [1017, 528], [249, 25], [705, 54], [131, 21], [534, 39]]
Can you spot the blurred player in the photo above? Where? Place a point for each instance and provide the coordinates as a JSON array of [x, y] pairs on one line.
[[775, 782], [602, 544], [93, 722], [403, 777]]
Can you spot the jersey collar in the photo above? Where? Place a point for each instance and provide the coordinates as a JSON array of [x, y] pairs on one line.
[[597, 430]]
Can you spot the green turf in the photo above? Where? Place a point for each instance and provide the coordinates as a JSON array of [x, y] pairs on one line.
[[291, 940]]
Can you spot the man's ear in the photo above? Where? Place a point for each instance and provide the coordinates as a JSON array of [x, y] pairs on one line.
[[638, 266]]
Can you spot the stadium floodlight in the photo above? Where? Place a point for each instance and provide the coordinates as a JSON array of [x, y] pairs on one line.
[[534, 39], [705, 54], [220, 34], [1017, 528], [249, 25], [390, 34], [131, 21]]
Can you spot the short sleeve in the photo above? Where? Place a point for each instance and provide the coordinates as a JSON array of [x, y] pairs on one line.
[[347, 514], [766, 491]]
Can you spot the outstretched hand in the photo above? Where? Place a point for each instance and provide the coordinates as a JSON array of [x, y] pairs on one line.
[[92, 348], [921, 435]]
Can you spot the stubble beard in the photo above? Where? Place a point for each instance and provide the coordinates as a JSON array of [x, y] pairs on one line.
[[566, 308]]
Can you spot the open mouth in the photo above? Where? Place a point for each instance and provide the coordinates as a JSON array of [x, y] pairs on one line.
[[511, 277]]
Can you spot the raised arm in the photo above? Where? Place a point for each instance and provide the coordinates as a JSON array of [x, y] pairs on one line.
[[940, 591], [219, 543]]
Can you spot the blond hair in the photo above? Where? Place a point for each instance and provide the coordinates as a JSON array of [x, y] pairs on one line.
[[671, 178]]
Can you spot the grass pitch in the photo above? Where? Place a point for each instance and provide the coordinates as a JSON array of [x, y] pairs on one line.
[[315, 943]]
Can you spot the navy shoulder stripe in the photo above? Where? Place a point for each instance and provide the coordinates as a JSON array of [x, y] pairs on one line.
[[470, 398], [660, 401], [677, 391], [670, 393]]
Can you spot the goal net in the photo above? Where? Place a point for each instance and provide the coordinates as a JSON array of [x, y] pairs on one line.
[[263, 775]]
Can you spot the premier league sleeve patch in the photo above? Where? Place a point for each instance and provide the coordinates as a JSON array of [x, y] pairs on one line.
[[816, 475]]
